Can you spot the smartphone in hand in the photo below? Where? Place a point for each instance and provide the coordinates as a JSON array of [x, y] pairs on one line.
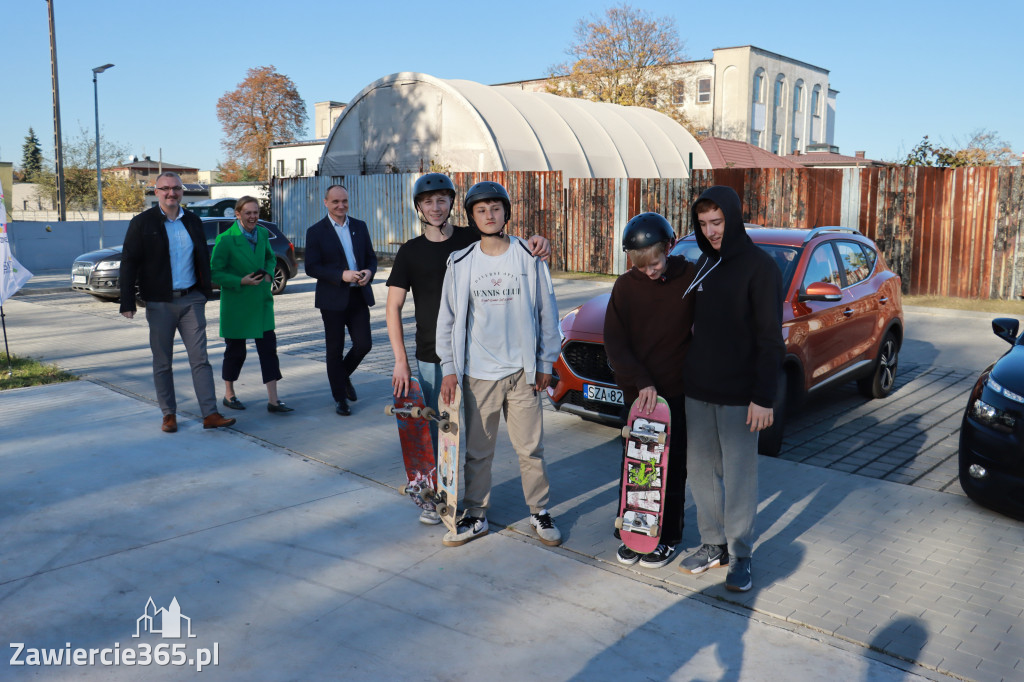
[[260, 274]]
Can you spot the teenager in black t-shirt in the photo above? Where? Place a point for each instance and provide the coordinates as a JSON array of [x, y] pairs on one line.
[[419, 267]]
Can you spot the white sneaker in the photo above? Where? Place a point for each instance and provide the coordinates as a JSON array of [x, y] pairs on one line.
[[468, 528], [429, 516], [545, 527]]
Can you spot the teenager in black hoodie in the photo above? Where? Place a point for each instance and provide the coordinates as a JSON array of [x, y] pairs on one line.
[[730, 376]]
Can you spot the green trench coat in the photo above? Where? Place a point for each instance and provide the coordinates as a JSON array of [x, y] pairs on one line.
[[245, 311]]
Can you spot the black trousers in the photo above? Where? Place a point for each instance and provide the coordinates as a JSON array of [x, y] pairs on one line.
[[675, 483], [266, 348], [356, 318]]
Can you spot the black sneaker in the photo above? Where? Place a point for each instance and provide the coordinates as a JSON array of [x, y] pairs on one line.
[[626, 556], [708, 556], [738, 579], [661, 555], [468, 528]]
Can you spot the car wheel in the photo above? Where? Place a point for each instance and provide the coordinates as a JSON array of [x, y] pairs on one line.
[[280, 280], [883, 379], [769, 441]]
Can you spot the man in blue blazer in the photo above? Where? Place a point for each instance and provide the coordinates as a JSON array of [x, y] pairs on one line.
[[340, 257]]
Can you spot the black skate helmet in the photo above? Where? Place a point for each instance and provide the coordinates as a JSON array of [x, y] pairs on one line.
[[482, 191], [646, 229]]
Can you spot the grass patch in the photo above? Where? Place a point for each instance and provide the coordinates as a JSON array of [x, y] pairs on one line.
[[28, 372], [1011, 308]]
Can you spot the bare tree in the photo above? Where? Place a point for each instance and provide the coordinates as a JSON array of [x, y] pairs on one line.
[[619, 57], [264, 109]]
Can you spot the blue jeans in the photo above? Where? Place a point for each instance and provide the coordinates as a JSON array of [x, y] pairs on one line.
[[430, 383]]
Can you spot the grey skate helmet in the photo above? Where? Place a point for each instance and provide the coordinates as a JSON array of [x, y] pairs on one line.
[[431, 182], [482, 191], [646, 229]]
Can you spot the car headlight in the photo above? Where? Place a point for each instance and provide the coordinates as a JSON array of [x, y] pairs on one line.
[[1002, 390], [567, 320], [990, 415], [108, 265]]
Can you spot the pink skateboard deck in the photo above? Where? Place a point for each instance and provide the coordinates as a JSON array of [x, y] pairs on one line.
[[644, 477]]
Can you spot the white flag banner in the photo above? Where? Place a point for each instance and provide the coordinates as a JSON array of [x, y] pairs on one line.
[[12, 275]]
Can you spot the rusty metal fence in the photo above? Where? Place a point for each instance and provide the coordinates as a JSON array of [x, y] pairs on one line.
[[948, 232]]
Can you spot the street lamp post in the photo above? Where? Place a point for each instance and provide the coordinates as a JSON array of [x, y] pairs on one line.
[[99, 179]]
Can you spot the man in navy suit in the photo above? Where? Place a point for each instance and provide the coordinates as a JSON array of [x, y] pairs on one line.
[[340, 257]]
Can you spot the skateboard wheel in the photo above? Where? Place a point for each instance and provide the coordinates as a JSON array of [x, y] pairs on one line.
[[654, 531], [428, 412], [444, 425], [389, 410], [625, 431], [618, 523], [414, 412], [661, 438], [441, 509]]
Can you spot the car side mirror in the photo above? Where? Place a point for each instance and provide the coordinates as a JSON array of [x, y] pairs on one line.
[[822, 291], [1006, 329]]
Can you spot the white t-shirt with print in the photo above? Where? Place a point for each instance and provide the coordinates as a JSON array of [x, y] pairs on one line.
[[493, 344]]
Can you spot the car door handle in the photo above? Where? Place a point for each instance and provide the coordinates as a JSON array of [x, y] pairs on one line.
[[883, 300], [848, 312]]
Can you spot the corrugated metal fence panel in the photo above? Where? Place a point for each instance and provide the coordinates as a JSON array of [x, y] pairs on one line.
[[849, 213], [957, 232], [385, 203], [297, 204]]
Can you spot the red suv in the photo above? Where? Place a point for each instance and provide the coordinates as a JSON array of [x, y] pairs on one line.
[[842, 320]]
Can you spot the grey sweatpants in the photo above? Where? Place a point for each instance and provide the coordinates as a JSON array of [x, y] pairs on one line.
[[721, 464]]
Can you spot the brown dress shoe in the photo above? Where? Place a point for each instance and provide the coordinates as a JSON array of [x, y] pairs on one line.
[[170, 424], [216, 420]]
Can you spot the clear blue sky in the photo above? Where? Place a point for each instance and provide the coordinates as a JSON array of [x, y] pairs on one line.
[[903, 69]]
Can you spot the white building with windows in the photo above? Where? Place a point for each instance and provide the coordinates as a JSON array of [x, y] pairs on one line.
[[745, 93], [301, 159]]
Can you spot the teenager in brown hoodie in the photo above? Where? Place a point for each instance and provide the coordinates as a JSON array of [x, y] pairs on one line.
[[646, 336]]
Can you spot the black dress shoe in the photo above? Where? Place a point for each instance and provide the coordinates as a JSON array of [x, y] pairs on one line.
[[279, 408], [233, 402], [341, 407], [350, 390]]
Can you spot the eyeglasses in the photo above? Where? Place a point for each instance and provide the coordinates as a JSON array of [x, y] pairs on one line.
[[176, 188]]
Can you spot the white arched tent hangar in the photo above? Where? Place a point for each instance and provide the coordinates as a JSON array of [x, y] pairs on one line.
[[406, 121]]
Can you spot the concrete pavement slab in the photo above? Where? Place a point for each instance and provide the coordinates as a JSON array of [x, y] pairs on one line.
[[289, 569]]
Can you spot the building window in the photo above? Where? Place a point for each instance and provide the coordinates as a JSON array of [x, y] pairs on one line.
[[815, 101], [759, 86], [678, 92], [704, 90], [798, 96], [279, 172], [778, 92], [300, 167]]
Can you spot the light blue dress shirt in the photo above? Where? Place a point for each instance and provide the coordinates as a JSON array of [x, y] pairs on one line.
[[345, 235], [183, 272]]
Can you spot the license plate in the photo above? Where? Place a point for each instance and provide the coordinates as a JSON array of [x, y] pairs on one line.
[[603, 394], [79, 279]]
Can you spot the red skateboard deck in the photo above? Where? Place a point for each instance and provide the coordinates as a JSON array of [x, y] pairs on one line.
[[644, 477], [417, 448]]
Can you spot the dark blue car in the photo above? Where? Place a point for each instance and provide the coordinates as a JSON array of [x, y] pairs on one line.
[[992, 433]]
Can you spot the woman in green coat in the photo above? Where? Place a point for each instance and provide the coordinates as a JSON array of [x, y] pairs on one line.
[[246, 302]]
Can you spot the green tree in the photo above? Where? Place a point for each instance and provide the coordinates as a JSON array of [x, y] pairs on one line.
[[123, 194], [264, 109], [31, 157], [983, 148], [80, 169], [620, 57]]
